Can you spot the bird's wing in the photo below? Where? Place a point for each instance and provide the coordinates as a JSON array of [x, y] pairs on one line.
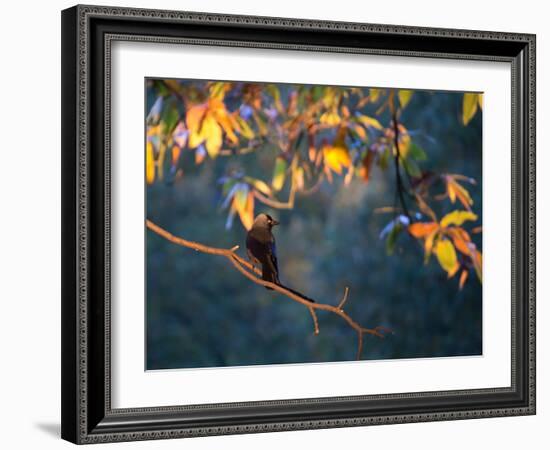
[[272, 257]]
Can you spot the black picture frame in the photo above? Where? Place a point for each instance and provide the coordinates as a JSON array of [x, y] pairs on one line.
[[87, 33]]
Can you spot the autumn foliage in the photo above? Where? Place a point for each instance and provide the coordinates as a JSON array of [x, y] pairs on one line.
[[316, 135]]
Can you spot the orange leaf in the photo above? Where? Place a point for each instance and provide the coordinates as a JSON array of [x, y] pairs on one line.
[[422, 229], [366, 167], [463, 278]]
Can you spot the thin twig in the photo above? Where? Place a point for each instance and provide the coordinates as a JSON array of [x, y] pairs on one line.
[[253, 274], [397, 157], [344, 299], [315, 321]]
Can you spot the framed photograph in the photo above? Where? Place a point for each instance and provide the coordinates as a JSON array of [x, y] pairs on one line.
[[280, 224]]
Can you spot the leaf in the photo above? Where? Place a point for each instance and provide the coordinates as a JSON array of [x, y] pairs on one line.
[[457, 218], [169, 119], [156, 109], [428, 245], [461, 240], [374, 94], [417, 153], [392, 238], [246, 131], [411, 167], [212, 132], [478, 264], [176, 150], [279, 173], [469, 107], [230, 217], [480, 101], [423, 229], [446, 255], [240, 196], [194, 117], [217, 90], [330, 118], [404, 97], [366, 166], [463, 278], [259, 185], [369, 122], [336, 157], [247, 213], [149, 163], [359, 130]]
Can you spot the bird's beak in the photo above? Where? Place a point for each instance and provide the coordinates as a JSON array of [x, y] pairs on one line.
[[274, 222]]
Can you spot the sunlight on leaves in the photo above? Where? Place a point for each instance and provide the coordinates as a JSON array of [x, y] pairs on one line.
[[457, 218], [279, 173], [446, 256]]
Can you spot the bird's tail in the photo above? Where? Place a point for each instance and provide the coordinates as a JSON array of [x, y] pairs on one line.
[[299, 294]]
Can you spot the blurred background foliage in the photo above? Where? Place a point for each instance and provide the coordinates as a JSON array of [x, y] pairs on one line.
[[375, 189]]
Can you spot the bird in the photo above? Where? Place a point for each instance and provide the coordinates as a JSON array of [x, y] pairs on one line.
[[262, 251]]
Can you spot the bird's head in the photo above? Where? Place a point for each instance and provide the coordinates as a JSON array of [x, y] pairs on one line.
[[264, 221]]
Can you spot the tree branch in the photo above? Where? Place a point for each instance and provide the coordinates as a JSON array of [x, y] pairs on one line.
[[397, 157], [254, 275]]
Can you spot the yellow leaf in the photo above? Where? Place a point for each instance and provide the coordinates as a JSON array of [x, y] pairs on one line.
[[404, 97], [337, 157], [259, 185], [194, 117], [374, 94], [480, 101], [446, 255], [370, 122], [428, 245], [469, 107], [455, 190], [330, 118], [279, 173], [457, 218], [223, 119], [149, 164], [422, 229], [247, 213], [212, 133]]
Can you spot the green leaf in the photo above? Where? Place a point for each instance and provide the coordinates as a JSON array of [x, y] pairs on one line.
[[279, 173], [169, 118], [417, 153], [404, 97], [469, 107], [392, 238], [411, 167]]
